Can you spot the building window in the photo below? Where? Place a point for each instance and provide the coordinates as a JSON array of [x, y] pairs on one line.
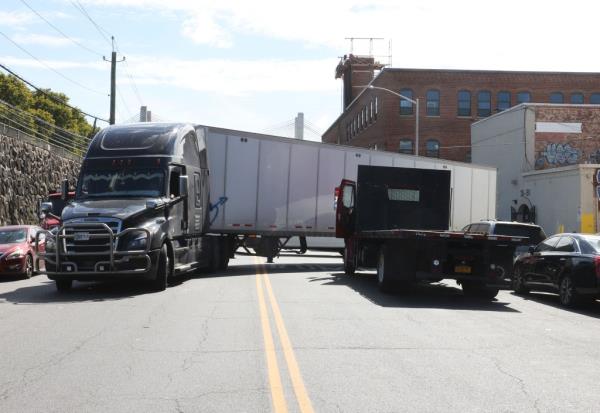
[[503, 101], [433, 103], [595, 98], [523, 97], [484, 103], [468, 156], [557, 97], [464, 103], [362, 118], [376, 107], [577, 98], [371, 112], [433, 148], [406, 146], [406, 107]]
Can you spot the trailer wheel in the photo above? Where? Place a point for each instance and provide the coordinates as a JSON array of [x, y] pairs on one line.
[[478, 290], [349, 259], [162, 271]]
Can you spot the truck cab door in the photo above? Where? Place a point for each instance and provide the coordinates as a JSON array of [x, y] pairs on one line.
[[344, 215], [178, 214]]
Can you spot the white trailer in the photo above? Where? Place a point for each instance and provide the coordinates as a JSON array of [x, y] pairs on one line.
[[283, 187]]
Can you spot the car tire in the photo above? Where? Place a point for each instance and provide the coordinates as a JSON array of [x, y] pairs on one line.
[[161, 280], [29, 266], [519, 286], [64, 285], [349, 260], [566, 292]]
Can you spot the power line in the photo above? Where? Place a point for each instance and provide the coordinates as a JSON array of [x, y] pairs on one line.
[[60, 31], [49, 67], [104, 33], [48, 95], [132, 82]]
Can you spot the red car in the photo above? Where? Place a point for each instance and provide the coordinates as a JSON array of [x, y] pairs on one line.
[[17, 250]]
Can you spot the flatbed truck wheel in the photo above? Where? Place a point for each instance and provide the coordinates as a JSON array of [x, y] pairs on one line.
[[384, 282], [349, 260], [478, 290]]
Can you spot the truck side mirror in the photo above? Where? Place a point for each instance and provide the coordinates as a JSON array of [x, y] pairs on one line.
[[64, 189], [183, 185], [45, 207]]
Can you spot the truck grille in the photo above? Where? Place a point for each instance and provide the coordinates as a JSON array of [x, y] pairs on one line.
[[82, 243]]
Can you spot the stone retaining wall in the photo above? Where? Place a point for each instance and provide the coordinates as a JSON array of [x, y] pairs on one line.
[[29, 169]]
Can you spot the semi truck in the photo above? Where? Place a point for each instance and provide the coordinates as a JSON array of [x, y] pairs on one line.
[[397, 221], [155, 200]]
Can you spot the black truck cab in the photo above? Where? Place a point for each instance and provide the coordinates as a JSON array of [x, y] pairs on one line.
[[140, 208]]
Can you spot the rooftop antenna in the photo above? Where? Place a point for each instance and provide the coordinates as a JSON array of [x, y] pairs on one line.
[[370, 39]]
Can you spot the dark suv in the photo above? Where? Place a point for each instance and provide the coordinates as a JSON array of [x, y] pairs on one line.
[[535, 233]]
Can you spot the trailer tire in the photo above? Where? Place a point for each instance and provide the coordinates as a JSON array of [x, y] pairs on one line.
[[162, 271], [349, 259]]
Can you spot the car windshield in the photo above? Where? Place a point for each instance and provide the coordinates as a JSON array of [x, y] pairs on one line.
[[13, 236], [535, 234], [147, 182]]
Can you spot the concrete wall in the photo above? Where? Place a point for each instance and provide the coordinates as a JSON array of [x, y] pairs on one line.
[[556, 194], [29, 169], [500, 141]]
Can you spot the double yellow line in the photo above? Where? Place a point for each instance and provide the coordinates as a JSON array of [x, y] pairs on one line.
[[277, 393]]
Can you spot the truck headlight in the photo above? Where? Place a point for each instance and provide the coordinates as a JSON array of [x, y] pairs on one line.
[[138, 242]]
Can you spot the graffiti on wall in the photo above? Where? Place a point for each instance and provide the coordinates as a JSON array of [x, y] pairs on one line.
[[557, 154]]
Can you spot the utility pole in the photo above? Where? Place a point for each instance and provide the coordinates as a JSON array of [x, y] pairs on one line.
[[113, 80]]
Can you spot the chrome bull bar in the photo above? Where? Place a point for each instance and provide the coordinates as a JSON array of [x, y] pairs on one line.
[[100, 267]]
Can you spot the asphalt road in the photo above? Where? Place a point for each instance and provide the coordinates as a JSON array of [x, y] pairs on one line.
[[303, 337]]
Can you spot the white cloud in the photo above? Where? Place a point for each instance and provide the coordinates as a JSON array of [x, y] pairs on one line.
[[236, 77], [15, 18], [55, 64], [41, 39]]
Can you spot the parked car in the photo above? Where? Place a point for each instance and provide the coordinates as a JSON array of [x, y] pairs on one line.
[[565, 263], [534, 232], [17, 250]]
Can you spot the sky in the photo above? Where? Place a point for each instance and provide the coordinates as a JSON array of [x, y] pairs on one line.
[[253, 65]]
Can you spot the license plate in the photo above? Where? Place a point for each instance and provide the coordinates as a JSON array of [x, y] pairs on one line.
[[82, 236], [462, 269]]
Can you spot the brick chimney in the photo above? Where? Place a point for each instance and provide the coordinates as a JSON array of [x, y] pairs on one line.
[[355, 71]]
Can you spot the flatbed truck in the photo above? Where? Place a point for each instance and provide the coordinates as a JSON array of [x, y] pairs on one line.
[[396, 221]]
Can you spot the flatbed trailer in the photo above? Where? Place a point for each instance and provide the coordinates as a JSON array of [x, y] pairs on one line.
[[396, 220]]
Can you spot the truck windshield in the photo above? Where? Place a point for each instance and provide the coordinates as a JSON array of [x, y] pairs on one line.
[[147, 182]]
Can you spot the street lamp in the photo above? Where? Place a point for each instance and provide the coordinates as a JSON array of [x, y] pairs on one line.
[[413, 101]]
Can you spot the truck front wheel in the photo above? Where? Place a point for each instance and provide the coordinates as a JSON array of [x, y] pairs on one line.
[[162, 271], [64, 285], [349, 259]]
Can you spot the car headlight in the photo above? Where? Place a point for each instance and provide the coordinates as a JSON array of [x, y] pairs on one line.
[[15, 254]]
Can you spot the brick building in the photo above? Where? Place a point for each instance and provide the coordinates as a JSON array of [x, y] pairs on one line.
[[450, 100]]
